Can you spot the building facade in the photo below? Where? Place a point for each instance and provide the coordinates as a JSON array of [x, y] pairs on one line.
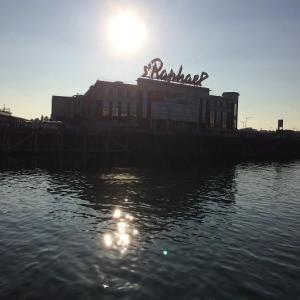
[[154, 103]]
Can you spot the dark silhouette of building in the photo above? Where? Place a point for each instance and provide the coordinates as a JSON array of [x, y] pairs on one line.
[[151, 103]]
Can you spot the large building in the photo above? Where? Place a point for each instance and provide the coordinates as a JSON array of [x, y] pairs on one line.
[[159, 101]]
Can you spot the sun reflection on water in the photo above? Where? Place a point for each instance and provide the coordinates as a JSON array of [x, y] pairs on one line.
[[117, 213], [124, 233]]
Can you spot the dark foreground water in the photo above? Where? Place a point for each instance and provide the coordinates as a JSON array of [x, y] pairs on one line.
[[214, 232]]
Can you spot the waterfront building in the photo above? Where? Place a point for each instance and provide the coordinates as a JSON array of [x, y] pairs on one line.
[[159, 101]]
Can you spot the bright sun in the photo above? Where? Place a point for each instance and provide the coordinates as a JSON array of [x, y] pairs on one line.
[[126, 32]]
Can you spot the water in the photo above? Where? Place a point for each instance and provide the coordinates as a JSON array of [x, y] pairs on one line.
[[214, 232]]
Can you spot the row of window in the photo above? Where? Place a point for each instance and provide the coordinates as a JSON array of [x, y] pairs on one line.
[[218, 119], [117, 109], [219, 104]]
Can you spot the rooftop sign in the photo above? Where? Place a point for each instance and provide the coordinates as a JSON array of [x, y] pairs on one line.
[[154, 70]]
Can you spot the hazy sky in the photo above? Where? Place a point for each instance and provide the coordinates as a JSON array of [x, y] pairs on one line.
[[60, 47]]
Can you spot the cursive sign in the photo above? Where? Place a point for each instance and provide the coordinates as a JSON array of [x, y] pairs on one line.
[[155, 70]]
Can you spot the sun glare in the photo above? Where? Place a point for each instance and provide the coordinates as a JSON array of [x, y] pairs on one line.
[[126, 32]]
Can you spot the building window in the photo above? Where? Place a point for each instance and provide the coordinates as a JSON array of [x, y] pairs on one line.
[[99, 113], [132, 109], [115, 109], [212, 119], [123, 109], [224, 120], [235, 116], [235, 110], [128, 109], [110, 108], [99, 110], [105, 108], [218, 118]]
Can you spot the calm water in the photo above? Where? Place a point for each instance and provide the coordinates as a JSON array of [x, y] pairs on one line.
[[216, 232]]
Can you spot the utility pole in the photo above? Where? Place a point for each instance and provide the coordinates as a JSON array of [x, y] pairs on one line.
[[246, 120], [243, 124]]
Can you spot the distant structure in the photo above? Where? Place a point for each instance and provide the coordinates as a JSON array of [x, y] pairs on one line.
[[160, 100], [7, 119], [5, 112], [280, 125]]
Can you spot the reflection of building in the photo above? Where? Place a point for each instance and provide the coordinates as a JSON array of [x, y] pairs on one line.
[[152, 103]]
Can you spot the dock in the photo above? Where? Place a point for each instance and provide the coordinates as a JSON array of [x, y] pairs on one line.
[[146, 143]]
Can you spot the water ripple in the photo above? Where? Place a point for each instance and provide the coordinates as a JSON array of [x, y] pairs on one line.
[[227, 231]]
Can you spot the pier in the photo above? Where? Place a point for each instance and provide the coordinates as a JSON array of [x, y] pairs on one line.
[[146, 144], [22, 140]]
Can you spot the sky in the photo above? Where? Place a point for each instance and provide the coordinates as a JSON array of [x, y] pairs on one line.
[[61, 47]]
